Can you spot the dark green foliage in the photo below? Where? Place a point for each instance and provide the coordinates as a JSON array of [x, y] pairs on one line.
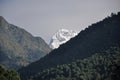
[[95, 39], [100, 66], [18, 48], [8, 74]]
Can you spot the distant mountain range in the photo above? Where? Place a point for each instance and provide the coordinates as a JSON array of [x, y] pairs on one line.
[[94, 54], [19, 48], [62, 36]]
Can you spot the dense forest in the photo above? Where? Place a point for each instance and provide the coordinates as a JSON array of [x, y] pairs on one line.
[[6, 74], [100, 66], [88, 56]]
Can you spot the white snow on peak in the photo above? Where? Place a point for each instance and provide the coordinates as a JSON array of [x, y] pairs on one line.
[[62, 36]]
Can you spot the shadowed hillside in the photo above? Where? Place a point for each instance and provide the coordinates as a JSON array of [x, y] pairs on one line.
[[97, 38], [99, 66]]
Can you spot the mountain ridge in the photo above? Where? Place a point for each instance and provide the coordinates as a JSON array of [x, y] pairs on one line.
[[96, 38], [18, 47]]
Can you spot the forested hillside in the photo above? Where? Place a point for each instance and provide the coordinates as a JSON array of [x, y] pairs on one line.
[[19, 48], [6, 74], [100, 66], [97, 38]]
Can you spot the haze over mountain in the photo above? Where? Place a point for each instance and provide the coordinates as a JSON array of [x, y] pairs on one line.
[[19, 48], [62, 36], [96, 48], [44, 17]]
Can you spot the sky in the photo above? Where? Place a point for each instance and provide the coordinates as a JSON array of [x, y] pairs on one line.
[[44, 17]]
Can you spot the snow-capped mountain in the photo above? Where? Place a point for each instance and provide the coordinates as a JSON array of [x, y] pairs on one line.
[[62, 36]]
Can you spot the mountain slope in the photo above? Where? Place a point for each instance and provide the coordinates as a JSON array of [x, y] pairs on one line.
[[96, 38], [99, 66], [62, 36], [18, 47]]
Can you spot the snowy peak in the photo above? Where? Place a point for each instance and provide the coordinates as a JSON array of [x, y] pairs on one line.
[[62, 36]]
